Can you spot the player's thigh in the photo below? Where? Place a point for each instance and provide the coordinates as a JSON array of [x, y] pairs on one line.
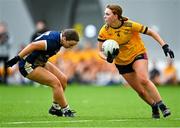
[[133, 81], [141, 68], [43, 76], [57, 72]]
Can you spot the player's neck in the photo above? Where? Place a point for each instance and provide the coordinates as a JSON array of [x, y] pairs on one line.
[[116, 24]]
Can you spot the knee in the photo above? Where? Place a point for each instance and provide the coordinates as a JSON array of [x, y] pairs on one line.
[[144, 80], [141, 93], [64, 82], [54, 83]]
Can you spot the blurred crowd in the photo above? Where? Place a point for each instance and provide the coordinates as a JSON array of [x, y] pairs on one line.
[[168, 75], [81, 65], [4, 50]]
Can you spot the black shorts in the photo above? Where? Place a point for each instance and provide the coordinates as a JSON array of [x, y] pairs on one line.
[[123, 69]]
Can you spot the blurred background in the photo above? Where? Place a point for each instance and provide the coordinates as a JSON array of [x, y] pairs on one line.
[[22, 20]]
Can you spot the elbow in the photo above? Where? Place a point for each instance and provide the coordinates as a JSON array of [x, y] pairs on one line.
[[151, 32]]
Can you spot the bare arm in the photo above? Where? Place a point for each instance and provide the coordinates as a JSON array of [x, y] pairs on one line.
[[38, 45], [165, 46], [155, 36]]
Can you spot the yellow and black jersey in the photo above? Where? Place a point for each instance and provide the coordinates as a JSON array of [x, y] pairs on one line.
[[128, 38]]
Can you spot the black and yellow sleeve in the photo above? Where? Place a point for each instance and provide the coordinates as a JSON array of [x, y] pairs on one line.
[[139, 27], [101, 35]]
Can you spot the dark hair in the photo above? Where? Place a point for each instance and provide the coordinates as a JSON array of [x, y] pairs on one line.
[[70, 34], [116, 9], [42, 21]]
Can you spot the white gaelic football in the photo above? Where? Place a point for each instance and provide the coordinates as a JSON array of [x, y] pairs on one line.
[[109, 45]]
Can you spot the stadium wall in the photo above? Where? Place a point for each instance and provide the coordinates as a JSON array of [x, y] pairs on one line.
[[19, 22]]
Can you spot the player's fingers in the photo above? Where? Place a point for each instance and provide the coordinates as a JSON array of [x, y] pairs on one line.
[[115, 51], [166, 53], [109, 54], [171, 54]]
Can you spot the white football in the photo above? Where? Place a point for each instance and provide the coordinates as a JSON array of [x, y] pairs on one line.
[[109, 45]]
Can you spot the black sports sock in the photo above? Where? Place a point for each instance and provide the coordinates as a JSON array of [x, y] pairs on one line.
[[155, 109], [154, 106], [161, 105]]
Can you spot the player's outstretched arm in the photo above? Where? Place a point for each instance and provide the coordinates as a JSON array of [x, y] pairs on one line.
[[164, 45]]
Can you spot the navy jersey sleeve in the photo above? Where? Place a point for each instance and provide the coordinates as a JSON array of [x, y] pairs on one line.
[[43, 36], [52, 39], [52, 45]]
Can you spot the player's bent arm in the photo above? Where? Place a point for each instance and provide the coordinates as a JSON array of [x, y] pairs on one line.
[[155, 36], [165, 46], [101, 54], [38, 45]]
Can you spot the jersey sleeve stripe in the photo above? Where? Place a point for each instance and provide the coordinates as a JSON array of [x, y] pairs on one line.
[[145, 30], [45, 44], [101, 40]]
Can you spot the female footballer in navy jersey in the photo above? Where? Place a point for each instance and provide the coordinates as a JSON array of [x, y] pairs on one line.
[[34, 65]]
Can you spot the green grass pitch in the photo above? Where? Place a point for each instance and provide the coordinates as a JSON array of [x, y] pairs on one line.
[[110, 106]]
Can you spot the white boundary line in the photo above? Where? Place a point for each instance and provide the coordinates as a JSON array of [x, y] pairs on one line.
[[46, 122], [70, 121]]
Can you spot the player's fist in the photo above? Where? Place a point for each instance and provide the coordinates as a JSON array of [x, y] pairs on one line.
[[167, 51], [115, 52], [13, 61], [110, 57]]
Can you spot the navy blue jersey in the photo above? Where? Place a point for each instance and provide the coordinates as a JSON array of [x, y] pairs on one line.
[[40, 57]]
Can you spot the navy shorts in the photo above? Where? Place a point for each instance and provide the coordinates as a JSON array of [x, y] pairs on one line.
[[25, 68], [123, 69]]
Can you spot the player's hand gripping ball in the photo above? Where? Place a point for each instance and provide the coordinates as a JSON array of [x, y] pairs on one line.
[[110, 46], [110, 49]]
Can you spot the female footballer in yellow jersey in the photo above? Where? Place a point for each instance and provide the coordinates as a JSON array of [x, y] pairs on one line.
[[131, 60]]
